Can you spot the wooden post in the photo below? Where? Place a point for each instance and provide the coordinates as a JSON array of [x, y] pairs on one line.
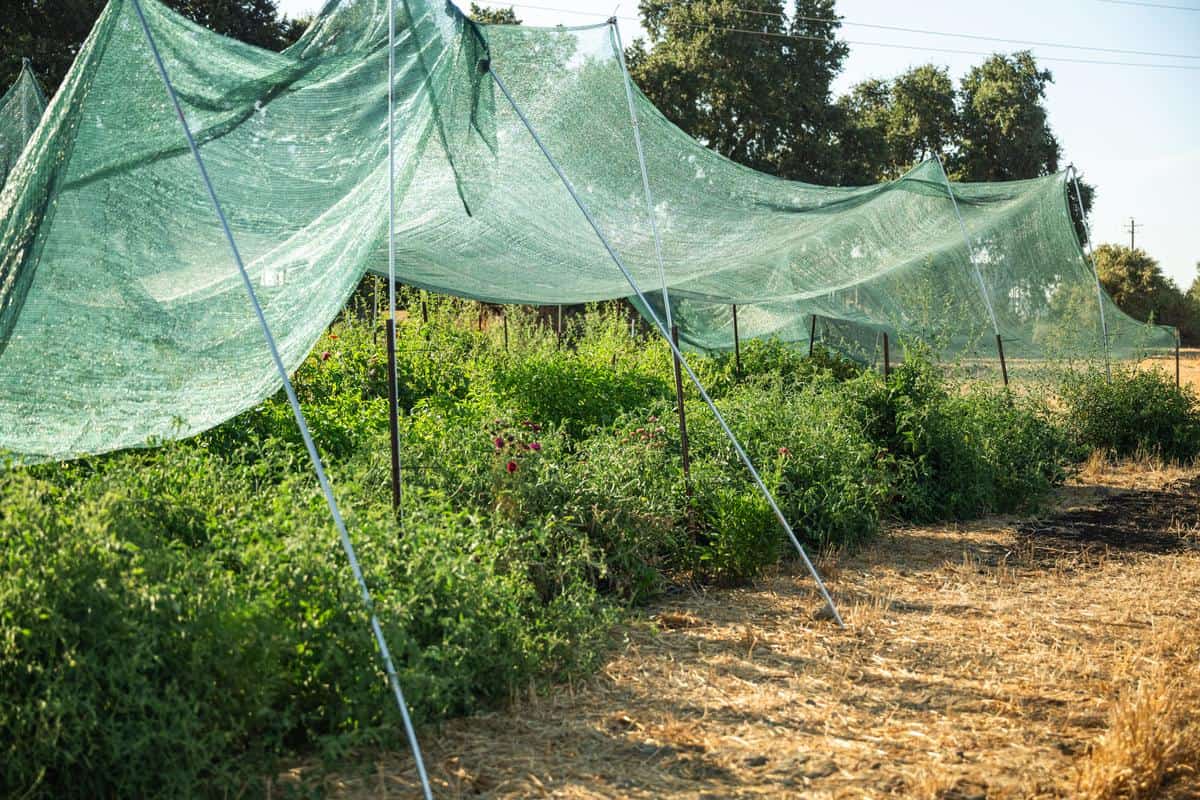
[[737, 346], [424, 310], [393, 412], [1176, 358], [887, 359], [558, 326], [1003, 363], [812, 335], [504, 316], [683, 435]]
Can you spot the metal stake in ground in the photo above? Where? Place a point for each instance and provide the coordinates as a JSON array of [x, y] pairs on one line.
[[666, 334], [684, 455], [812, 335], [294, 402], [737, 347], [1003, 364], [887, 357]]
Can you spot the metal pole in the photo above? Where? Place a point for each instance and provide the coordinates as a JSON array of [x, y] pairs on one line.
[[393, 413], [297, 412], [558, 327], [812, 335], [887, 358], [1003, 364], [424, 310], [737, 346], [637, 140], [1092, 262], [504, 317], [1177, 357], [962, 226], [666, 334], [684, 453]]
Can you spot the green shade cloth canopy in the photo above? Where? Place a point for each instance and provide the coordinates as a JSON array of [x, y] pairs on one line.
[[21, 110], [123, 320]]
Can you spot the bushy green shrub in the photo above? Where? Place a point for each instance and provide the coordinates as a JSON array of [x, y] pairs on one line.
[[1134, 411]]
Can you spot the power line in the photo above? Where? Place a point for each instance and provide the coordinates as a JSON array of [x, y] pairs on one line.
[[801, 37], [972, 36], [1150, 5]]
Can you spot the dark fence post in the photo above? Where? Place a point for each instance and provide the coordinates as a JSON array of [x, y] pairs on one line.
[[504, 316], [737, 345], [1177, 359], [558, 326], [393, 412], [683, 435], [812, 335], [424, 310], [887, 357], [1003, 363]]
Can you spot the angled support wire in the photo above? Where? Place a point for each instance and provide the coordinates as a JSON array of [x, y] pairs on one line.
[[637, 138], [294, 402], [1087, 229], [666, 334], [983, 292]]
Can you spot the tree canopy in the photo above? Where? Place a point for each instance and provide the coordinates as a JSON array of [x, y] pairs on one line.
[[1136, 283], [494, 16], [50, 34], [746, 79]]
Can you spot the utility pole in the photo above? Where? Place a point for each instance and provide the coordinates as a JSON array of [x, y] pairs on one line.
[[1132, 227]]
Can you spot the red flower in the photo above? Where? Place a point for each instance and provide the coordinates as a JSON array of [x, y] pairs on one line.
[[333, 336], [535, 446], [325, 355], [498, 442], [511, 467], [783, 451]]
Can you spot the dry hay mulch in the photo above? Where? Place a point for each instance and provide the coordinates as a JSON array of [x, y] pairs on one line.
[[972, 667]]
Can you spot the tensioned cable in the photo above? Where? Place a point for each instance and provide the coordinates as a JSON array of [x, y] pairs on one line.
[[890, 45], [637, 139], [297, 412], [975, 36], [1087, 229], [962, 226], [1150, 5], [658, 323]]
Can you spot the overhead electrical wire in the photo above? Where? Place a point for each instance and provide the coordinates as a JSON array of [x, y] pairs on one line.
[[924, 48], [1150, 5]]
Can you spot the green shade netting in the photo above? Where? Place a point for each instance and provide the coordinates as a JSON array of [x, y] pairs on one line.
[[21, 110], [122, 315]]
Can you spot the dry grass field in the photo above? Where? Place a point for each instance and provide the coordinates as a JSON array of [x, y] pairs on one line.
[[1189, 365], [1011, 658]]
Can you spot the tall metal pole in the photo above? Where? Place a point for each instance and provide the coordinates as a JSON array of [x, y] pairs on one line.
[[1092, 262], [962, 226], [297, 412], [393, 389], [737, 345], [887, 357], [666, 334], [812, 335]]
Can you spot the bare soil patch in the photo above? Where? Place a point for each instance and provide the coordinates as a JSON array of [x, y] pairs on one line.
[[1047, 658]]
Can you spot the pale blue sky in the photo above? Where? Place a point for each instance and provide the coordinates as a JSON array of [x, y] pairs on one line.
[[1133, 131]]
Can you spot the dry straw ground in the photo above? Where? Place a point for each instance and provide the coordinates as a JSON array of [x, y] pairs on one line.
[[1009, 658]]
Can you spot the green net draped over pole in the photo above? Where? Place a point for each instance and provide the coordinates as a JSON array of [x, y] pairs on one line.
[[122, 321], [21, 110]]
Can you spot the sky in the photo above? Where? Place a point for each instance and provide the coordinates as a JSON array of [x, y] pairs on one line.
[[1132, 131]]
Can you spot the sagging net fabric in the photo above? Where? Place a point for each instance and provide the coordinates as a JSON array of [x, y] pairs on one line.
[[21, 110], [123, 319]]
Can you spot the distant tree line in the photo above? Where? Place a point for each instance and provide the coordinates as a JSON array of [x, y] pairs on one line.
[[1136, 283]]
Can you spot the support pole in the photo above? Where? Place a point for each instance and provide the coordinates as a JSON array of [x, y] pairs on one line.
[[684, 453], [737, 347], [504, 317], [393, 413], [1003, 363], [1092, 263], [887, 357], [1177, 358], [962, 226], [558, 327], [812, 335], [297, 412], [666, 334], [424, 310]]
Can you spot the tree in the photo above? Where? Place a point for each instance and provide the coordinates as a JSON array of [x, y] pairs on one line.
[[889, 126], [1138, 286], [1004, 133], [51, 33], [494, 16], [1194, 291], [729, 75]]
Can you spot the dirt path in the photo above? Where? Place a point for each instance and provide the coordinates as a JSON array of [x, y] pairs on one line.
[[1038, 658]]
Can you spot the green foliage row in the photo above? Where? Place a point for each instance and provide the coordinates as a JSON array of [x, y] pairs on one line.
[[173, 621]]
